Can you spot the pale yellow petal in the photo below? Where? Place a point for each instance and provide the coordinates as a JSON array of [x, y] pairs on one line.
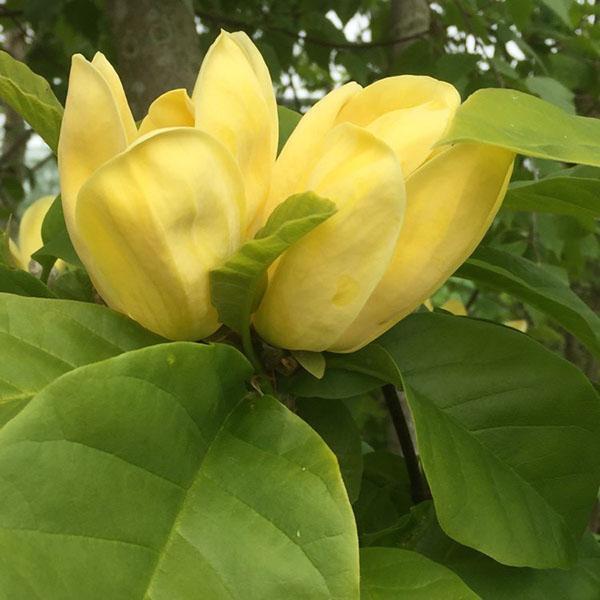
[[455, 306], [171, 109], [118, 93], [16, 258], [409, 112], [322, 282], [394, 93], [412, 132], [91, 133], [519, 324], [30, 229], [303, 148], [235, 103], [155, 220], [451, 202]]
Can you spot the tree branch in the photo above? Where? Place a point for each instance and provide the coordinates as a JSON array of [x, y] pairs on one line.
[[418, 485], [219, 19]]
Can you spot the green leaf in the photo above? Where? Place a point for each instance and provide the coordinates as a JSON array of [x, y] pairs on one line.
[[576, 196], [41, 339], [392, 573], [332, 420], [237, 286], [372, 360], [508, 433], [155, 475], [526, 125], [335, 384], [288, 119], [494, 581], [347, 375], [561, 9], [30, 95], [384, 494], [534, 285], [313, 362], [57, 243], [16, 281], [552, 91], [498, 582], [6, 257], [73, 284]]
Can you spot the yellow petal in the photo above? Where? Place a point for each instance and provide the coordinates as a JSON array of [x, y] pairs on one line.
[[455, 306], [235, 103], [304, 146], [322, 282], [92, 132], [451, 202], [171, 109], [30, 230], [118, 93], [155, 220], [15, 257], [410, 113], [519, 324]]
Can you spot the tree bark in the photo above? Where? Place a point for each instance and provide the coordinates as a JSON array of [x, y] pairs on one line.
[[157, 48], [408, 17], [16, 135]]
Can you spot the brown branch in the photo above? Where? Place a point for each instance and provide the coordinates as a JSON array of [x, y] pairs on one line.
[[232, 22], [418, 485]]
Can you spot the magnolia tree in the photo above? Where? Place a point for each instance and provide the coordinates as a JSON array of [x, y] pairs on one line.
[[181, 430]]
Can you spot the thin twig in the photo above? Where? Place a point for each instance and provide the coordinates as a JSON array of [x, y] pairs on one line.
[[297, 35], [418, 487]]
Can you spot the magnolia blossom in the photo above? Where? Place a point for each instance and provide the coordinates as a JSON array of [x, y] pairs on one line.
[[152, 210]]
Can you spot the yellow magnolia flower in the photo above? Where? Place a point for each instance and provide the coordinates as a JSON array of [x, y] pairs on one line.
[[30, 232], [408, 213], [152, 210]]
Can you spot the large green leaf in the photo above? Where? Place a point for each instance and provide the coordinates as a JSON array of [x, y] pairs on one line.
[[155, 475], [237, 286], [536, 286], [392, 573], [30, 95], [498, 582], [40, 339], [332, 420], [527, 125], [576, 196], [509, 436], [16, 281], [494, 581]]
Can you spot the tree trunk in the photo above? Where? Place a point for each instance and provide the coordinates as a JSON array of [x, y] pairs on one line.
[[408, 17], [14, 143], [157, 48]]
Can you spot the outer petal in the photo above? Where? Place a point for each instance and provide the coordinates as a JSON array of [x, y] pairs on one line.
[[235, 103], [154, 221], [171, 109], [323, 281], [451, 202], [30, 230], [92, 132], [118, 93], [303, 148], [410, 113]]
